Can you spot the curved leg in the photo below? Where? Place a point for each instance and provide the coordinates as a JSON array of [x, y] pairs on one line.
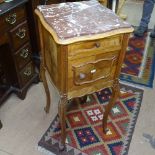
[[115, 94], [43, 77], [62, 117]]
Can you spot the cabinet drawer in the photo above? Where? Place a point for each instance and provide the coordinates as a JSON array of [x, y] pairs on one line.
[[19, 35], [12, 17], [82, 49], [27, 73], [23, 56], [87, 71]]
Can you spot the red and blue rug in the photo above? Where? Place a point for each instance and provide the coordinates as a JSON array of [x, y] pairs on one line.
[[84, 125], [134, 55], [139, 61]]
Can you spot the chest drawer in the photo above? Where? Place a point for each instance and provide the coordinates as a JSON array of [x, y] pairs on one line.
[[19, 35], [27, 73], [85, 72], [23, 56], [83, 49], [12, 17]]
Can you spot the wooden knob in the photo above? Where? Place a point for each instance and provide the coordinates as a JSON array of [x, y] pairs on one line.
[[97, 45]]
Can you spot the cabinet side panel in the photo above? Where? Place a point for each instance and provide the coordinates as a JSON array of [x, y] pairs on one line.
[[63, 69], [50, 56]]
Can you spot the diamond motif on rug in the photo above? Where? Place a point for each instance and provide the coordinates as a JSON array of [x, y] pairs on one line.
[[111, 135], [97, 150], [130, 103], [104, 96], [76, 119], [115, 148], [86, 137], [123, 124], [118, 111], [94, 115]]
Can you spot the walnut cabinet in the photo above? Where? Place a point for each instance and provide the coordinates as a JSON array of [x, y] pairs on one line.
[[85, 61]]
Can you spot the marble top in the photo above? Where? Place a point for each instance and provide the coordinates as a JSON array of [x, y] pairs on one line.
[[85, 18]]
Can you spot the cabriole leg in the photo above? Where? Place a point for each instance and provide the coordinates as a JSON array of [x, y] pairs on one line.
[[62, 117], [43, 78], [115, 95]]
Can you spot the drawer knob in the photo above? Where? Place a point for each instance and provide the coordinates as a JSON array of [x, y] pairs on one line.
[[28, 72], [21, 33], [11, 19], [97, 45], [24, 53], [82, 76]]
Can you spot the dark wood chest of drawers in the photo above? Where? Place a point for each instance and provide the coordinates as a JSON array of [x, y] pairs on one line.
[[17, 69]]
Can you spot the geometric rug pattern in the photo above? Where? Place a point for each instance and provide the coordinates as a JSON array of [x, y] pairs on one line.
[[84, 125], [134, 55], [140, 64]]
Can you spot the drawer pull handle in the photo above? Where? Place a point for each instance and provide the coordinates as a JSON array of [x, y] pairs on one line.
[[97, 45], [27, 72], [24, 53], [21, 33], [82, 76], [93, 71], [11, 19]]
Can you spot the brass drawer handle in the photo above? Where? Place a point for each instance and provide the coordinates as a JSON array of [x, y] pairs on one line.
[[93, 71], [11, 19], [97, 45], [21, 33], [28, 71], [24, 53]]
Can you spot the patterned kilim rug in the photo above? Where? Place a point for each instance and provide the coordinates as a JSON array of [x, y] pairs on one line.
[[139, 61], [134, 56], [84, 125]]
